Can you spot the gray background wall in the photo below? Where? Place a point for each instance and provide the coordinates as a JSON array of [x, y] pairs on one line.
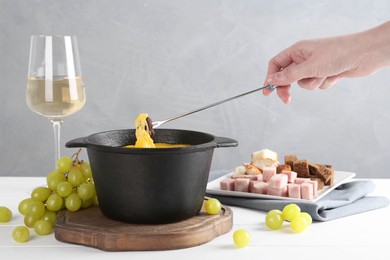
[[167, 57]]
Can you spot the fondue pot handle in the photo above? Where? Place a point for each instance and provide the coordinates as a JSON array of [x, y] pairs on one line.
[[78, 142], [225, 142]]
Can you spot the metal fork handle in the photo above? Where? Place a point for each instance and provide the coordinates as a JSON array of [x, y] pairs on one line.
[[159, 123]]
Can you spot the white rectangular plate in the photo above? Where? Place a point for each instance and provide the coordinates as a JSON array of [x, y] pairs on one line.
[[340, 177]]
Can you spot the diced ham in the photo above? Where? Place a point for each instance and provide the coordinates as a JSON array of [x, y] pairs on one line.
[[277, 192], [269, 182], [291, 175], [227, 184], [315, 186], [244, 176], [259, 187], [268, 172], [278, 181], [300, 180], [241, 184], [294, 190], [307, 192]]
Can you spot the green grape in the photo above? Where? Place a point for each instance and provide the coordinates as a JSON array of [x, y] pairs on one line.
[[73, 202], [30, 221], [86, 191], [54, 202], [23, 206], [86, 203], [75, 176], [241, 238], [86, 170], [307, 217], [21, 234], [212, 206], [95, 200], [290, 211], [36, 209], [50, 217], [5, 214], [40, 193], [274, 219], [54, 178], [64, 164], [64, 189], [43, 228], [299, 223]]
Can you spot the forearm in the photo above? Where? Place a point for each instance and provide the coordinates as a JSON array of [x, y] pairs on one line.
[[374, 48]]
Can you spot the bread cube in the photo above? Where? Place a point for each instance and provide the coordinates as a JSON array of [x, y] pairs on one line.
[[283, 167], [302, 168]]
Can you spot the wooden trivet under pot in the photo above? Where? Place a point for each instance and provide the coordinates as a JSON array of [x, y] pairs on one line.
[[91, 228]]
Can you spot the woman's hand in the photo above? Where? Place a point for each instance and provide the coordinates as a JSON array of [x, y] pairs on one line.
[[320, 63]]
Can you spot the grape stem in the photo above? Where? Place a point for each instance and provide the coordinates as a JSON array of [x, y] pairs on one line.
[[75, 157]]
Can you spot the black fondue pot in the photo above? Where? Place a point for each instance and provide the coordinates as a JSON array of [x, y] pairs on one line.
[[151, 185]]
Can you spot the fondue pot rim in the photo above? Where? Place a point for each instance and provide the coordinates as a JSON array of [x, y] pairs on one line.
[[89, 143]]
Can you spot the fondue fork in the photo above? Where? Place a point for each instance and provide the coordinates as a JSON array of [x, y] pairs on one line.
[[159, 123]]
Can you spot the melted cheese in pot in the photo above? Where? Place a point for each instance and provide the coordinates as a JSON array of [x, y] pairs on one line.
[[143, 138]]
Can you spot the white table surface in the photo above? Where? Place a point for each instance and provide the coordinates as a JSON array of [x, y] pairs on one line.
[[360, 236]]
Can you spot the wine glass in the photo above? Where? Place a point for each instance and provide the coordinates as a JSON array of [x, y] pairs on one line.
[[55, 88]]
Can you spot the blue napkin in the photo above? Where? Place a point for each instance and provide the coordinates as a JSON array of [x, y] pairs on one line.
[[347, 199]]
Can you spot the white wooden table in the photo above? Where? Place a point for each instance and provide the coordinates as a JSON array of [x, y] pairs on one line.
[[362, 236]]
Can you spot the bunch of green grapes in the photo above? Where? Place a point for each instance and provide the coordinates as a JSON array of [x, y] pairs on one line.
[[70, 186]]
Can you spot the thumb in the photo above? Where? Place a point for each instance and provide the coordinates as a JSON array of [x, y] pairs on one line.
[[290, 74]]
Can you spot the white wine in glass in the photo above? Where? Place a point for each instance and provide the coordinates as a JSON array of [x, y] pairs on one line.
[[55, 87]]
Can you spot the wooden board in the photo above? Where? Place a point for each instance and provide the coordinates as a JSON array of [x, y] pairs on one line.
[[90, 227]]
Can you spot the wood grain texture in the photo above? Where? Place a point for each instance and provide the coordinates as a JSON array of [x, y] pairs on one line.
[[90, 227]]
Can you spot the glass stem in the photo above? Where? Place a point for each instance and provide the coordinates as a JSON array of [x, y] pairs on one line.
[[57, 141]]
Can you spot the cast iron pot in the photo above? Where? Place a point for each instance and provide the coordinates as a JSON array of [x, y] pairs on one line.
[[148, 185]]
